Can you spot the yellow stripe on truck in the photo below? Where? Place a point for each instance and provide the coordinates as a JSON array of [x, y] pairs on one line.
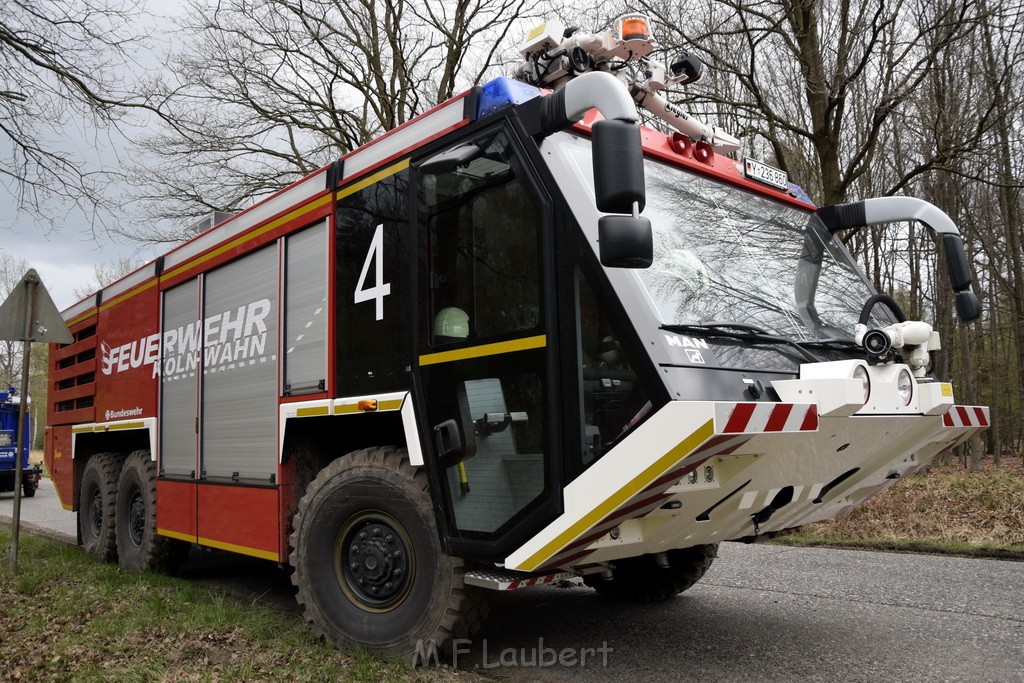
[[128, 425], [176, 534], [129, 294], [372, 179], [637, 484], [241, 549], [485, 350], [248, 236], [313, 411]]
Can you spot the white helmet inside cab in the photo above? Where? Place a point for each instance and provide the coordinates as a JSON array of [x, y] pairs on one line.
[[451, 322]]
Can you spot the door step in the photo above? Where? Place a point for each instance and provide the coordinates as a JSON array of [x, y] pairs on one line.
[[508, 580]]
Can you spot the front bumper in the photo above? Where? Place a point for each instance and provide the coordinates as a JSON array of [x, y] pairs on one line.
[[737, 461]]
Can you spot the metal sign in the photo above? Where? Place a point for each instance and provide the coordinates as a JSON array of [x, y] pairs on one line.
[[28, 315], [43, 324]]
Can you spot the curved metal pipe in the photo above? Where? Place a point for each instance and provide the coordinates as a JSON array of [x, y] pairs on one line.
[[594, 90], [886, 210], [601, 91], [889, 209]]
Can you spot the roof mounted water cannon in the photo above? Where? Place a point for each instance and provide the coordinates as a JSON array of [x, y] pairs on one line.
[[555, 55], [892, 209]]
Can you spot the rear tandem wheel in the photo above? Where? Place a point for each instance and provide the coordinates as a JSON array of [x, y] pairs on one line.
[[139, 547], [96, 506]]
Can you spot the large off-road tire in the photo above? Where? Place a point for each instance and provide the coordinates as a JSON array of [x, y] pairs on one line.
[[368, 562], [139, 547], [642, 579], [96, 505]]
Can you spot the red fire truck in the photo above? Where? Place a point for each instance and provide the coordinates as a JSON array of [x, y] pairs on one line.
[[519, 338]]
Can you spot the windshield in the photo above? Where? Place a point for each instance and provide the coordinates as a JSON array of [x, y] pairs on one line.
[[722, 254]]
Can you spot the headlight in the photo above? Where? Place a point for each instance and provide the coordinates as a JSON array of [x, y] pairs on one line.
[[861, 373], [905, 386]]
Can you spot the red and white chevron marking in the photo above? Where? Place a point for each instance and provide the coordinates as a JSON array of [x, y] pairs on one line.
[[508, 580], [747, 418], [534, 581], [966, 416]]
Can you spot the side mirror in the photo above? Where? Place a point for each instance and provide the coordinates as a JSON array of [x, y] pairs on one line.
[[618, 166], [967, 306], [956, 262], [625, 241]]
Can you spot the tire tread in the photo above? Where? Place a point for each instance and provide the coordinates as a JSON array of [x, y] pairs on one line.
[[157, 553], [108, 469]]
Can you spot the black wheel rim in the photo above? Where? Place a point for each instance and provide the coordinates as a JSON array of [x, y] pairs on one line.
[[96, 512], [137, 519], [373, 561]]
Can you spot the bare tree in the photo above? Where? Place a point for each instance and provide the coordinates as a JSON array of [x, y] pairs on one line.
[[12, 269], [267, 90], [818, 81], [105, 274], [62, 62]]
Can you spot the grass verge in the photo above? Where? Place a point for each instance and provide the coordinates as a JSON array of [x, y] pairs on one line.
[[66, 616], [949, 510]]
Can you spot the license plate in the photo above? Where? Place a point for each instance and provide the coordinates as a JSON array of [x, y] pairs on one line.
[[766, 174]]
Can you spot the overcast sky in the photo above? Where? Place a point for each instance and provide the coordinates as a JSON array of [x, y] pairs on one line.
[[64, 257], [65, 254]]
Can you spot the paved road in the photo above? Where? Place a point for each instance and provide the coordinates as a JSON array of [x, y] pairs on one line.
[[761, 613], [43, 509]]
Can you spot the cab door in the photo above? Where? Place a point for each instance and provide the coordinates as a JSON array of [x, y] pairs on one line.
[[484, 351]]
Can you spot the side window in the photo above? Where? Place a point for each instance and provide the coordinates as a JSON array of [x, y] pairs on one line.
[[372, 285], [613, 400], [484, 248], [503, 471]]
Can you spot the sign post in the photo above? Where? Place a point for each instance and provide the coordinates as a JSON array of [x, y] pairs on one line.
[[28, 315]]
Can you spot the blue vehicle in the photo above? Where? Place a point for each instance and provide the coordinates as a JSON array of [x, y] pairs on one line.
[[9, 404]]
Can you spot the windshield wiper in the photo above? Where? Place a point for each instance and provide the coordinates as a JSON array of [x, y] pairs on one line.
[[833, 344], [742, 331]]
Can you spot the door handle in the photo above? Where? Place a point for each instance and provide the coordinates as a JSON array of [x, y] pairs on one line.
[[448, 440]]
